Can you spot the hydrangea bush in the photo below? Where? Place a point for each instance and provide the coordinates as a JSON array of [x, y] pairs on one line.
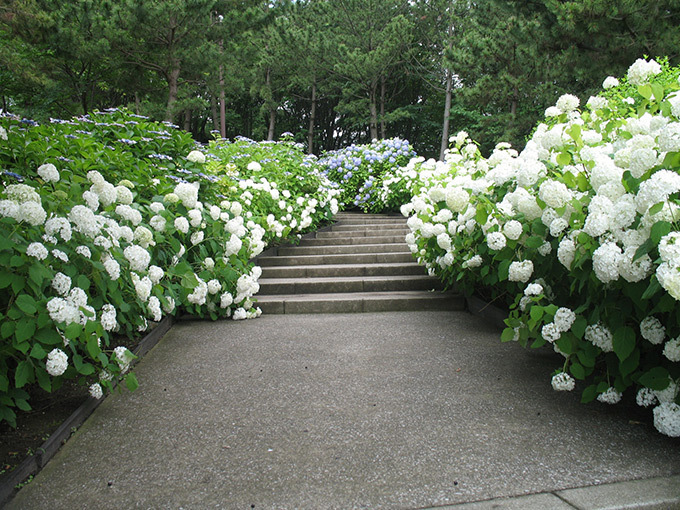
[[361, 169], [108, 221], [578, 235]]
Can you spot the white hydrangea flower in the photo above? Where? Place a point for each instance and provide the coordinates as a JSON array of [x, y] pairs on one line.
[[182, 224], [444, 241], [48, 172], [645, 397], [254, 166], [667, 418], [196, 157], [558, 226], [600, 336], [496, 241], [214, 286], [610, 82], [552, 111], [520, 271], [545, 249], [226, 300], [32, 213], [154, 307], [197, 237], [611, 396], [642, 70], [513, 229], [61, 283], [157, 223], [669, 248], [551, 332], [37, 250], [108, 317], [138, 257], [606, 262], [57, 362], [58, 225], [233, 246], [533, 289], [169, 305], [240, 314], [124, 195], [22, 193], [143, 288], [112, 268], [58, 254], [96, 391], [156, 274], [563, 382], [473, 262], [566, 252], [669, 393], [652, 330], [672, 349], [567, 103], [187, 193], [123, 357], [156, 207], [564, 319], [669, 278]]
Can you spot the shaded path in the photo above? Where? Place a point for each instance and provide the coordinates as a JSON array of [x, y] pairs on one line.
[[376, 410]]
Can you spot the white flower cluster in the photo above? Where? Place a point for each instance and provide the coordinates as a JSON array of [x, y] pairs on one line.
[[563, 382], [610, 396], [57, 362], [196, 157]]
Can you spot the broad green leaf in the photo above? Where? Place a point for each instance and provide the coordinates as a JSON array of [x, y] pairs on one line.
[[24, 329], [86, 369], [4, 383], [73, 331], [16, 261], [44, 379], [131, 381], [579, 327], [589, 394], [7, 329], [38, 352], [656, 379], [586, 358], [645, 91], [577, 370], [23, 374], [627, 366], [536, 312], [653, 288], [93, 347], [504, 270], [657, 90], [660, 229], [534, 242], [507, 335], [564, 158], [26, 304], [624, 342]]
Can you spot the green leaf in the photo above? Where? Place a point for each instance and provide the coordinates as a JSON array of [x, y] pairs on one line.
[[16, 261], [627, 366], [38, 352], [93, 347], [86, 369], [44, 380], [536, 313], [507, 335], [653, 288], [589, 394], [645, 91], [26, 304], [659, 229], [23, 374], [587, 359], [563, 158], [656, 208], [565, 344], [22, 404], [5, 279], [534, 242], [503, 270], [24, 329], [657, 90], [481, 214], [624, 342], [4, 383], [131, 381], [7, 329], [579, 327], [656, 379], [577, 370], [73, 331]]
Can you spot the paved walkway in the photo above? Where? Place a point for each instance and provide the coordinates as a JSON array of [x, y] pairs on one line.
[[390, 410]]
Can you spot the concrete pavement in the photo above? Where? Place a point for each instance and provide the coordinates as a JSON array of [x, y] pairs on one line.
[[406, 410]]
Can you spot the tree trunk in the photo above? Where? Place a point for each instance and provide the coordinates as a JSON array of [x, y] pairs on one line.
[[447, 114], [137, 103], [312, 119], [272, 123], [173, 83], [213, 113], [382, 107], [187, 120], [223, 103], [373, 123]]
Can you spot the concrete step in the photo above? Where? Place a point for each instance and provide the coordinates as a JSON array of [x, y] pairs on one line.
[[394, 269], [344, 249], [371, 221], [361, 302], [328, 241], [327, 285], [371, 227], [344, 258]]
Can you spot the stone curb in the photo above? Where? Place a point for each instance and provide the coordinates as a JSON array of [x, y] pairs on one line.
[[33, 464], [660, 493]]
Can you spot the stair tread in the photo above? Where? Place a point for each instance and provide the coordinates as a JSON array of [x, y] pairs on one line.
[[354, 296], [330, 279]]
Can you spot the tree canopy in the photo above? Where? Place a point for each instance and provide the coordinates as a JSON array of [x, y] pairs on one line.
[[331, 72]]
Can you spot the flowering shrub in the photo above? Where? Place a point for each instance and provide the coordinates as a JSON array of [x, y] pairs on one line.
[[579, 235], [108, 221], [360, 169]]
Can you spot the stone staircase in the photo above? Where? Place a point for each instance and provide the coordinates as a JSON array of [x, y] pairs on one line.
[[359, 264]]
